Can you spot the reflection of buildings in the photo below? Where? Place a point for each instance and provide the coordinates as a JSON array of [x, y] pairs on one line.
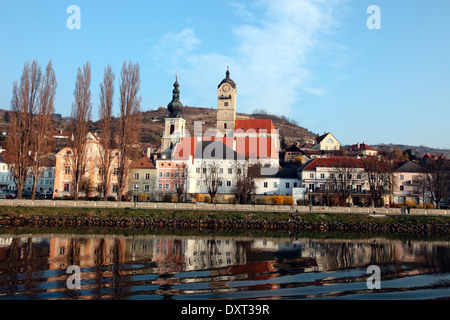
[[112, 265]]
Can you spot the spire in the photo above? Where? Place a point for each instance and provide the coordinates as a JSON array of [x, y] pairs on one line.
[[175, 107], [228, 79]]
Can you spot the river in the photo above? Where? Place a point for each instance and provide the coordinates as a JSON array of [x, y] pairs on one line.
[[47, 266]]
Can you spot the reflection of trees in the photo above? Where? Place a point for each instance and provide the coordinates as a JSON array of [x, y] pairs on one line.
[[13, 266]]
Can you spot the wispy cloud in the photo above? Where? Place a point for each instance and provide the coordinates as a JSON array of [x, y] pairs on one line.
[[173, 46], [270, 59]]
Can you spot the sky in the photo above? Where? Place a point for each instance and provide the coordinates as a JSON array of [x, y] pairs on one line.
[[313, 61]]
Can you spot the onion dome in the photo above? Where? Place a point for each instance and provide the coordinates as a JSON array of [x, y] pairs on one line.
[[175, 107], [228, 80]]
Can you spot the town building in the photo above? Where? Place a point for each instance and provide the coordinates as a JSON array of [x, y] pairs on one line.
[[409, 184], [142, 180], [92, 171], [335, 181], [326, 142]]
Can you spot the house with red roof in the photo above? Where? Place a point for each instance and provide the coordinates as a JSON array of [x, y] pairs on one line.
[[335, 181]]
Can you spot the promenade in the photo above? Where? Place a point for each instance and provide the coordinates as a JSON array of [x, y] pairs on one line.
[[219, 207]]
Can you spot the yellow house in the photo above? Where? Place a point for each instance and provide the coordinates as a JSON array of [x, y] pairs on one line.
[[326, 142], [92, 172]]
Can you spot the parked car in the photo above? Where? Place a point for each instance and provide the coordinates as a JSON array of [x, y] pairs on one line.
[[26, 194], [2, 195]]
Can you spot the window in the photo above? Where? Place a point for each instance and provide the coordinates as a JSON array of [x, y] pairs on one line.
[[114, 188], [136, 187], [331, 175], [275, 184], [221, 170], [66, 169], [100, 188], [287, 185], [204, 170], [160, 186], [147, 176], [167, 186], [146, 187], [100, 171], [167, 174], [197, 170], [358, 177], [172, 129], [230, 170], [160, 174], [311, 175], [220, 183], [322, 186], [225, 104], [295, 184], [228, 183], [265, 184], [322, 176], [136, 175], [224, 125], [66, 187], [116, 171], [402, 188]]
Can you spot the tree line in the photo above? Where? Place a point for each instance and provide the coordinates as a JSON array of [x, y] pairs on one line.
[[30, 129]]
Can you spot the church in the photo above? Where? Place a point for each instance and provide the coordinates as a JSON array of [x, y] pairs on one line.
[[186, 162], [227, 125]]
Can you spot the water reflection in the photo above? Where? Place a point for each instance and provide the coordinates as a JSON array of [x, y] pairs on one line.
[[195, 267]]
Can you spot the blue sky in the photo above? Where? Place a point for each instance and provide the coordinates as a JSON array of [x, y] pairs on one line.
[[313, 61]]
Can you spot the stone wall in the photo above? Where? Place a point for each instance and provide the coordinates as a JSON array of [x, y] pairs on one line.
[[217, 207]]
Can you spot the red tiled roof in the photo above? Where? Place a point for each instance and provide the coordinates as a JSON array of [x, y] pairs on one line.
[[362, 146], [143, 163], [265, 125], [334, 161]]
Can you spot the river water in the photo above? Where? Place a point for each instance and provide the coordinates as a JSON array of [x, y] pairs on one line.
[[204, 267]]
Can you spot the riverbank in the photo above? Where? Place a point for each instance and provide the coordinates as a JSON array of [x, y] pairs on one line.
[[127, 218]]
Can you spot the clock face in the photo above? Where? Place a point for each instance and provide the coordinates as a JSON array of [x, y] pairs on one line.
[[226, 88]]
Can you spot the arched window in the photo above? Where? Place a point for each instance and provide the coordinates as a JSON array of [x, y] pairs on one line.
[[172, 128], [171, 145], [224, 125]]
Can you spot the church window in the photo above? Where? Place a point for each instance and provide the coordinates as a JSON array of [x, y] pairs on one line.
[[172, 129], [224, 125]]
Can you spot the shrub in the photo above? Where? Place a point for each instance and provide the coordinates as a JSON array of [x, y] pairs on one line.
[[277, 199], [167, 198], [288, 200]]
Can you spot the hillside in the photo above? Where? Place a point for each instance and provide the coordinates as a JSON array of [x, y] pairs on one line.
[[153, 123], [153, 126]]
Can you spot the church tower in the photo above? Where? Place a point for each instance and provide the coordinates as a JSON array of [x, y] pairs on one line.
[[226, 106], [175, 122]]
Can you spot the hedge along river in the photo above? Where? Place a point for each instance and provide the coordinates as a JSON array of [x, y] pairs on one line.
[[219, 265]]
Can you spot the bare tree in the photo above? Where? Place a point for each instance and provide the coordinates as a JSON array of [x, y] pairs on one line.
[[437, 175], [343, 177], [129, 121], [379, 175], [180, 176], [212, 178], [80, 117], [20, 130], [106, 118], [42, 139], [245, 180]]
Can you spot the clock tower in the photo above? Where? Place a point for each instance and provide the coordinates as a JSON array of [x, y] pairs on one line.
[[226, 106]]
